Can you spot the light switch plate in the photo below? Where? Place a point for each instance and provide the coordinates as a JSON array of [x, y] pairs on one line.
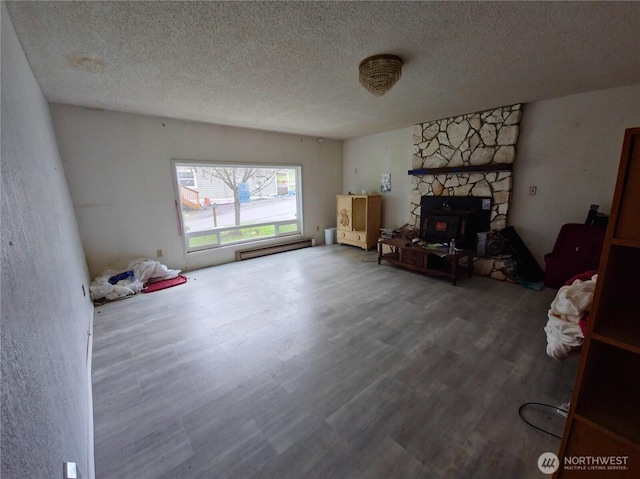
[[69, 470]]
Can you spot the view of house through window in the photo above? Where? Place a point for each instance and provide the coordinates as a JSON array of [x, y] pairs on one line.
[[226, 204]]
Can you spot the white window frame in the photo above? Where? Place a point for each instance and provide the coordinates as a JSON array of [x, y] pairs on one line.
[[219, 232]]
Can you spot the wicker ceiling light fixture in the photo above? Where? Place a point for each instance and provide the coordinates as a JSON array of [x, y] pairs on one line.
[[380, 72]]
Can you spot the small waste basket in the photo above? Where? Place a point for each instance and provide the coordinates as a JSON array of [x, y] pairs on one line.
[[330, 235]]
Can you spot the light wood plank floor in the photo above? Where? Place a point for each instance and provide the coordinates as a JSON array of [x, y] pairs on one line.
[[320, 363]]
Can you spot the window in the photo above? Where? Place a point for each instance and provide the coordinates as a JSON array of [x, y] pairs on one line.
[[223, 204], [186, 176]]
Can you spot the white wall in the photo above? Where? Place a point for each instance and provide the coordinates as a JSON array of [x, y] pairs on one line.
[[568, 147], [47, 416], [118, 168], [366, 158]]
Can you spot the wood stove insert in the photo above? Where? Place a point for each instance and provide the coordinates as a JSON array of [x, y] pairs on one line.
[[461, 218]]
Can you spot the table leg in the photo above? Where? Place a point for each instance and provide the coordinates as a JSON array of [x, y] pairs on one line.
[[454, 269]]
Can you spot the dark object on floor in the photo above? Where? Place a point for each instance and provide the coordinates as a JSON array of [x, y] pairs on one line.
[[527, 268], [534, 285], [576, 250], [164, 284]]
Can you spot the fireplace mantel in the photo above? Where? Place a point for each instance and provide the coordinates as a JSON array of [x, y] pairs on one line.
[[462, 169]]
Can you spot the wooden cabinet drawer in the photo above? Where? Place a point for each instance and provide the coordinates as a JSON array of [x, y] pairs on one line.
[[413, 253], [413, 257], [352, 236]]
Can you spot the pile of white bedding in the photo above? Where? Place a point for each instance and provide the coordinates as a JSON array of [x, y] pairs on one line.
[[570, 306], [113, 284]]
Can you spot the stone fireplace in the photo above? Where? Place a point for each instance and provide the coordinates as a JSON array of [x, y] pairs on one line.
[[465, 156]]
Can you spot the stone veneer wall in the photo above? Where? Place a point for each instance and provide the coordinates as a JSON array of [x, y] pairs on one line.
[[472, 140]]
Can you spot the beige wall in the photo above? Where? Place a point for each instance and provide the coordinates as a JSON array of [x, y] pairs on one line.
[[568, 147], [118, 168], [367, 158]]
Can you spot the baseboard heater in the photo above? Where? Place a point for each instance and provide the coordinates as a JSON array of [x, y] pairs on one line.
[[274, 248]]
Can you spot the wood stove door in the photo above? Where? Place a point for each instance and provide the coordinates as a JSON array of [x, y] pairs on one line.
[[439, 227]]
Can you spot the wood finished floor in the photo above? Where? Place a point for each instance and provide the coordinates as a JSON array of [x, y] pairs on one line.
[[320, 363]]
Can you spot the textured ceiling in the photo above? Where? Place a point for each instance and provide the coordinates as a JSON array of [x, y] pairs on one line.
[[293, 66]]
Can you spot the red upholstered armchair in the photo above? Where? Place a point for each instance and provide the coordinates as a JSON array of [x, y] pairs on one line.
[[576, 250]]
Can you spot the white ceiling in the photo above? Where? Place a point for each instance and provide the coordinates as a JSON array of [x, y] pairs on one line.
[[293, 66]]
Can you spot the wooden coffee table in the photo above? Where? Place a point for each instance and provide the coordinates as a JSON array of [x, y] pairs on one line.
[[427, 260]]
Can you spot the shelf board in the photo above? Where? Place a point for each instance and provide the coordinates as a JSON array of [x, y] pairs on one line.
[[625, 242], [587, 438], [606, 432], [609, 396], [624, 338], [462, 169], [614, 314]]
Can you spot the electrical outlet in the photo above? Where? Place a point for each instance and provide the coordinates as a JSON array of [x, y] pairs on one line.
[[317, 228], [158, 253], [533, 190]]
